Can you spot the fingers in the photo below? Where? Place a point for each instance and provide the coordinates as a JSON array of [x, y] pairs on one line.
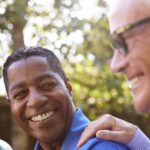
[[123, 132], [105, 122], [111, 135], [108, 127], [87, 133]]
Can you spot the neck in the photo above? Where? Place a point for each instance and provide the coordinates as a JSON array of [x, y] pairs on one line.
[[53, 147]]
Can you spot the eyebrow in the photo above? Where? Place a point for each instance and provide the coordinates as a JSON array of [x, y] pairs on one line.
[[17, 85], [20, 84], [45, 76]]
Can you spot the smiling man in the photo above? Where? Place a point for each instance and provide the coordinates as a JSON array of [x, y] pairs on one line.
[[40, 97], [130, 31]]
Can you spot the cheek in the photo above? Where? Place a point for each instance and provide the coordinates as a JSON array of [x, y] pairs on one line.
[[144, 61], [19, 115], [17, 110], [65, 101], [63, 93], [140, 52]]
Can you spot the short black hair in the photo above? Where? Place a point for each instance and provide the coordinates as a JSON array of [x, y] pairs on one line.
[[25, 52]]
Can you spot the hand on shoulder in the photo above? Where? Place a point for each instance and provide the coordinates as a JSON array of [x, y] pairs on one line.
[[109, 127]]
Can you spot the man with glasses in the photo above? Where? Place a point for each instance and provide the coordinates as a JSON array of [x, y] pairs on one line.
[[130, 31]]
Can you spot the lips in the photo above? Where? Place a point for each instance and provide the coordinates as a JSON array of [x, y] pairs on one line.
[[42, 116]]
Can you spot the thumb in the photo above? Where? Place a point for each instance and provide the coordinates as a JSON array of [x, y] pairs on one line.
[[87, 133]]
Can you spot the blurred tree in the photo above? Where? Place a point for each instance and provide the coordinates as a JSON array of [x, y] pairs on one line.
[[81, 41]]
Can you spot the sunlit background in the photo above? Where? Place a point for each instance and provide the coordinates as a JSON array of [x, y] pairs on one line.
[[78, 33], [33, 31]]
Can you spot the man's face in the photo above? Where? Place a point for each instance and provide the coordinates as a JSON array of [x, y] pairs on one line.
[[40, 100], [135, 64]]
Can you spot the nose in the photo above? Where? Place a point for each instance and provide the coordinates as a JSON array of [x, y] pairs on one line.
[[118, 62], [36, 98]]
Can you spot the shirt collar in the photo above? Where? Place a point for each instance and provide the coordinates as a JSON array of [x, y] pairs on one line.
[[78, 123]]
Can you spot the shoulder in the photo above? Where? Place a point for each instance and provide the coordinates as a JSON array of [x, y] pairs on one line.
[[97, 144]]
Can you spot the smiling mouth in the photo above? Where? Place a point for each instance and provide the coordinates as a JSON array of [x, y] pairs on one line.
[[43, 116], [133, 82]]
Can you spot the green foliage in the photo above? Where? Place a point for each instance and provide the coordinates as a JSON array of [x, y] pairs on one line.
[[98, 89], [85, 57]]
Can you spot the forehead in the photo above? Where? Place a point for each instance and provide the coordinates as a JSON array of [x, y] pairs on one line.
[[28, 66], [126, 12], [29, 62], [30, 71]]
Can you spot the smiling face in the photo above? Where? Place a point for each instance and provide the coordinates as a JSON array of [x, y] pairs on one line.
[[40, 100], [136, 63]]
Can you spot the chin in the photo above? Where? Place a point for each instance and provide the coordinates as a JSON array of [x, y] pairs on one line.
[[141, 108], [142, 102]]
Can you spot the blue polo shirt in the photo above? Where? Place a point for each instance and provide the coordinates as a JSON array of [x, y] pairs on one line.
[[78, 124]]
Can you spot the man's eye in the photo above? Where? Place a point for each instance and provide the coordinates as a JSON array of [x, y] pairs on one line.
[[47, 86], [20, 95]]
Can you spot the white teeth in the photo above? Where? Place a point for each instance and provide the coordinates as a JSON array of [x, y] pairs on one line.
[[43, 116], [133, 82]]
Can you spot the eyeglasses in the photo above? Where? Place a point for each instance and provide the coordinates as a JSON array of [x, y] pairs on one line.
[[118, 41]]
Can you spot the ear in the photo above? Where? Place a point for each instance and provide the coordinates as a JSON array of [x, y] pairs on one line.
[[68, 85]]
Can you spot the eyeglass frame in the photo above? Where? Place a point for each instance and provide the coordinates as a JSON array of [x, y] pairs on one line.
[[120, 31]]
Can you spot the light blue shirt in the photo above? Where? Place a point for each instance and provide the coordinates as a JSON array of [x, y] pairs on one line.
[[78, 124], [139, 141]]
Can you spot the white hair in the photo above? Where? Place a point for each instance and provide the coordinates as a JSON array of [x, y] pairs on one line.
[[112, 4], [134, 10]]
